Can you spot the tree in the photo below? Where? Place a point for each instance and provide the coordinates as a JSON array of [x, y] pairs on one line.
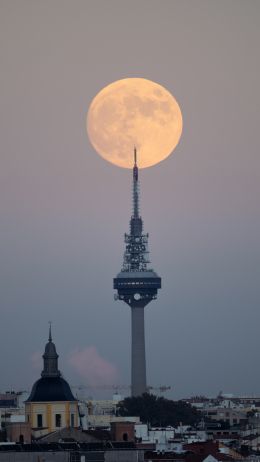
[[158, 411]]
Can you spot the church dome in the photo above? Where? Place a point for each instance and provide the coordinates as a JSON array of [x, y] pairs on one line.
[[51, 386], [48, 389]]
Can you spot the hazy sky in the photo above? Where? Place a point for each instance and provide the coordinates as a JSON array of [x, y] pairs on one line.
[[64, 209]]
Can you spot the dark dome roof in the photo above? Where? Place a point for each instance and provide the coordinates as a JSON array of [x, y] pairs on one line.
[[48, 389]]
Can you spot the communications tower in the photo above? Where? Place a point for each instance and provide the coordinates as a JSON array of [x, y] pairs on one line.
[[137, 285]]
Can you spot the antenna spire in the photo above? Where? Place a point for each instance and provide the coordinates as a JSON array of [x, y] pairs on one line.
[[50, 336], [135, 169], [135, 187]]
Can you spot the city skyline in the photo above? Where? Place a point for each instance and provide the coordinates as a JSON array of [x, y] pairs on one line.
[[63, 209]]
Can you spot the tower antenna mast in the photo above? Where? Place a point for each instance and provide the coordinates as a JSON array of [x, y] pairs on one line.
[[137, 285]]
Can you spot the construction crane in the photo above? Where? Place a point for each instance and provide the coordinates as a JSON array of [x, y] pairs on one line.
[[162, 388]]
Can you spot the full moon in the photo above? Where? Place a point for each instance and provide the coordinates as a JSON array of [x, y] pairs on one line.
[[130, 113]]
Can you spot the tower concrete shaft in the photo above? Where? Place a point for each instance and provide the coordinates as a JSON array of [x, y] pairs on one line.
[[137, 285], [138, 370]]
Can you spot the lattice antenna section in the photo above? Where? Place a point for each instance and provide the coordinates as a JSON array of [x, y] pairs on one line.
[[136, 256]]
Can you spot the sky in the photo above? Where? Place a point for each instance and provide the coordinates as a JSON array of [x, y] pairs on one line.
[[64, 210]]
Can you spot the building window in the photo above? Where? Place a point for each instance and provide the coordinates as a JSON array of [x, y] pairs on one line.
[[57, 420], [39, 420], [72, 420]]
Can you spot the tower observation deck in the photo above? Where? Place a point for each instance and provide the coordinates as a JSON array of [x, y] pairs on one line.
[[137, 285]]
